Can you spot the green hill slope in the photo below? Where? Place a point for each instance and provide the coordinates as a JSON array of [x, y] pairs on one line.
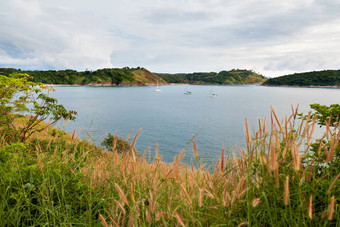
[[147, 77], [108, 76], [316, 78], [235, 76]]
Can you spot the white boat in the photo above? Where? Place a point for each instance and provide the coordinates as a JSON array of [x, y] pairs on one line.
[[157, 89], [186, 91], [212, 95]]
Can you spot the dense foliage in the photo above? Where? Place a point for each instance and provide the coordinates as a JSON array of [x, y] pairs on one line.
[[114, 143], [138, 76], [316, 78], [325, 163], [327, 114], [108, 76], [42, 186], [235, 76], [23, 100]]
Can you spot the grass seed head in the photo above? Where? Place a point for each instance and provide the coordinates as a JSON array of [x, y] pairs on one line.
[[286, 195], [256, 202], [331, 208], [310, 207]]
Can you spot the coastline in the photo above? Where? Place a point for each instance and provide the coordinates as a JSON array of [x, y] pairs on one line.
[[305, 86], [170, 84], [106, 85], [141, 85]]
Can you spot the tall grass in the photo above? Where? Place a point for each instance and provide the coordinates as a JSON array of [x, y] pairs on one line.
[[274, 181], [269, 183]]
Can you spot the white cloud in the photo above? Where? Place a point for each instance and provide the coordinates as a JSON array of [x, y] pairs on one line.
[[270, 37]]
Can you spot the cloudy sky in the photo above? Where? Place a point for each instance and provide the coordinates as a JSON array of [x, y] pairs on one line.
[[272, 37]]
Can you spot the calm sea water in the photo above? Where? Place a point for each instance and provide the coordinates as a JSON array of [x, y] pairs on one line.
[[171, 118]]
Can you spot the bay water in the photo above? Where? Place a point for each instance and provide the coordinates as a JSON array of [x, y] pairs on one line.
[[172, 118]]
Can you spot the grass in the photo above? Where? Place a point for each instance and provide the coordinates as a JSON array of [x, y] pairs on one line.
[[56, 179]]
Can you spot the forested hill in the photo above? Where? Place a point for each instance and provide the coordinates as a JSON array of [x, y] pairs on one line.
[[108, 76], [235, 76], [138, 76], [316, 78]]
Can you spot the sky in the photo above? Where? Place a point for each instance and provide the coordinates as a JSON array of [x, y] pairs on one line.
[[270, 37]]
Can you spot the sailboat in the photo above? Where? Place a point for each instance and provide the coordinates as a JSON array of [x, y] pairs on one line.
[[157, 89], [187, 92], [212, 95]]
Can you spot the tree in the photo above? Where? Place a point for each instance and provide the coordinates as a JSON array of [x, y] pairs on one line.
[[25, 101], [116, 143]]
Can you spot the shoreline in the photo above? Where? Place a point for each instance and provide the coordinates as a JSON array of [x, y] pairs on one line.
[[142, 85], [306, 86], [171, 84], [105, 85]]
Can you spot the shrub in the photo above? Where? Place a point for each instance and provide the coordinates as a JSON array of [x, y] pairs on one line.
[[121, 145]]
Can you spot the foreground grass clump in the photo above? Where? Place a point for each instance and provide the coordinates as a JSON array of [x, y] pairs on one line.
[[42, 182], [277, 180], [284, 177]]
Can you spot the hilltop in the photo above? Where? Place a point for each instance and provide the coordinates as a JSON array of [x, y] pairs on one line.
[[141, 77], [315, 78], [137, 77], [101, 77], [234, 76]]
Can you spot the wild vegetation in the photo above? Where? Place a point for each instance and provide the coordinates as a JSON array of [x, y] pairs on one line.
[[137, 76], [235, 76], [284, 177], [108, 76], [316, 78], [141, 76]]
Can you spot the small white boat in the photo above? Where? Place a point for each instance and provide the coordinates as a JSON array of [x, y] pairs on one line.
[[212, 95], [157, 89], [187, 93]]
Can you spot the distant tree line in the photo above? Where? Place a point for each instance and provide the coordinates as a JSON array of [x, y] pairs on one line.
[[140, 76], [115, 76], [235, 76], [315, 78]]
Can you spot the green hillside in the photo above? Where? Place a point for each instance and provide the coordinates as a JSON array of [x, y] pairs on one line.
[[137, 76], [108, 76], [235, 76], [316, 78], [145, 76]]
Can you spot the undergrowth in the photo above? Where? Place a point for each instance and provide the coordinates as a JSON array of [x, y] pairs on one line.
[[284, 177]]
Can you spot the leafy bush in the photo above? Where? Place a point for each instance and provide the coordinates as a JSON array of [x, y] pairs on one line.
[[116, 143], [326, 163], [327, 114]]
